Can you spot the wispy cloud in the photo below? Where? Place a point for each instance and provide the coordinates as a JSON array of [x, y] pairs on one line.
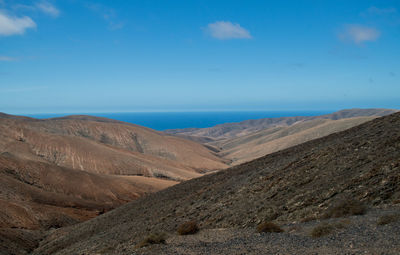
[[48, 8], [12, 25], [224, 30], [7, 59], [108, 14], [359, 34], [381, 11]]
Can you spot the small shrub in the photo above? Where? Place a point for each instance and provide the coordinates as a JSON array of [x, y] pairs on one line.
[[155, 238], [268, 227], [322, 230], [389, 218], [308, 219], [346, 208], [343, 223], [188, 228], [296, 228]]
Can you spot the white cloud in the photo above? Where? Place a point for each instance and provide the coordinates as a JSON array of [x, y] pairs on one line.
[[11, 25], [48, 8], [224, 30], [359, 34], [8, 59]]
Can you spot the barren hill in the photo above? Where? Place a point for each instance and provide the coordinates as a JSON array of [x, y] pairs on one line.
[[58, 172], [106, 146], [250, 139], [237, 129], [303, 181]]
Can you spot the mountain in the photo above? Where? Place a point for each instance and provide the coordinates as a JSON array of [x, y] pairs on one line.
[[58, 172], [250, 139], [105, 146], [237, 129], [291, 185]]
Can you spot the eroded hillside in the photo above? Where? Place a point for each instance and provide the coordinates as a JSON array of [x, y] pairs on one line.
[[58, 172], [361, 163]]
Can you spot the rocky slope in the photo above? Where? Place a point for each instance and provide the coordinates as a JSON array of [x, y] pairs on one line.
[[291, 185]]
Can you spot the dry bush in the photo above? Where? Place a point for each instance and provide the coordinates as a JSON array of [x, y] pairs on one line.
[[155, 238], [295, 228], [308, 219], [343, 223], [346, 208], [268, 227], [389, 218], [322, 229], [188, 228]]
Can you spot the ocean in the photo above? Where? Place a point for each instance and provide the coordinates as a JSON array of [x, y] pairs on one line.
[[172, 120]]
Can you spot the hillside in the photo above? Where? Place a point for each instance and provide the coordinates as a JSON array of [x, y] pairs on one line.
[[105, 146], [291, 185], [58, 172], [245, 148], [238, 129], [250, 139]]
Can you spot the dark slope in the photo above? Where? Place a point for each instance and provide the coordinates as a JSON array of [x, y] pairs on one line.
[[290, 185]]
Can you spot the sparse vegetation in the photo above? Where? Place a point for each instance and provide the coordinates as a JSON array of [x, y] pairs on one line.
[[308, 219], [268, 227], [322, 229], [188, 228], [389, 218], [155, 238], [343, 223], [346, 208], [295, 228], [105, 139]]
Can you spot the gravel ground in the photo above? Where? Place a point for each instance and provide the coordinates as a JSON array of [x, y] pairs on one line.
[[358, 235]]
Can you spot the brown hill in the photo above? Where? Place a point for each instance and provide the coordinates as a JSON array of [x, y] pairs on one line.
[[290, 185], [237, 129], [250, 139], [245, 148], [106, 146], [58, 172]]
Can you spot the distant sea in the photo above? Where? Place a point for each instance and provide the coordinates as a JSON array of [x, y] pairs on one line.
[[171, 120]]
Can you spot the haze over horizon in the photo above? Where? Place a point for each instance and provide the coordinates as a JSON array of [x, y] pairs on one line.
[[72, 56]]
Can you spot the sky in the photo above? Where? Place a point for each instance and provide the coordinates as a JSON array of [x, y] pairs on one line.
[[119, 56]]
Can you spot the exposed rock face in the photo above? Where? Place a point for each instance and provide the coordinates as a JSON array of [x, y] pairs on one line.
[[362, 163]]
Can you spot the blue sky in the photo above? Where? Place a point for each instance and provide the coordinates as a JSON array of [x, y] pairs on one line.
[[106, 56]]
